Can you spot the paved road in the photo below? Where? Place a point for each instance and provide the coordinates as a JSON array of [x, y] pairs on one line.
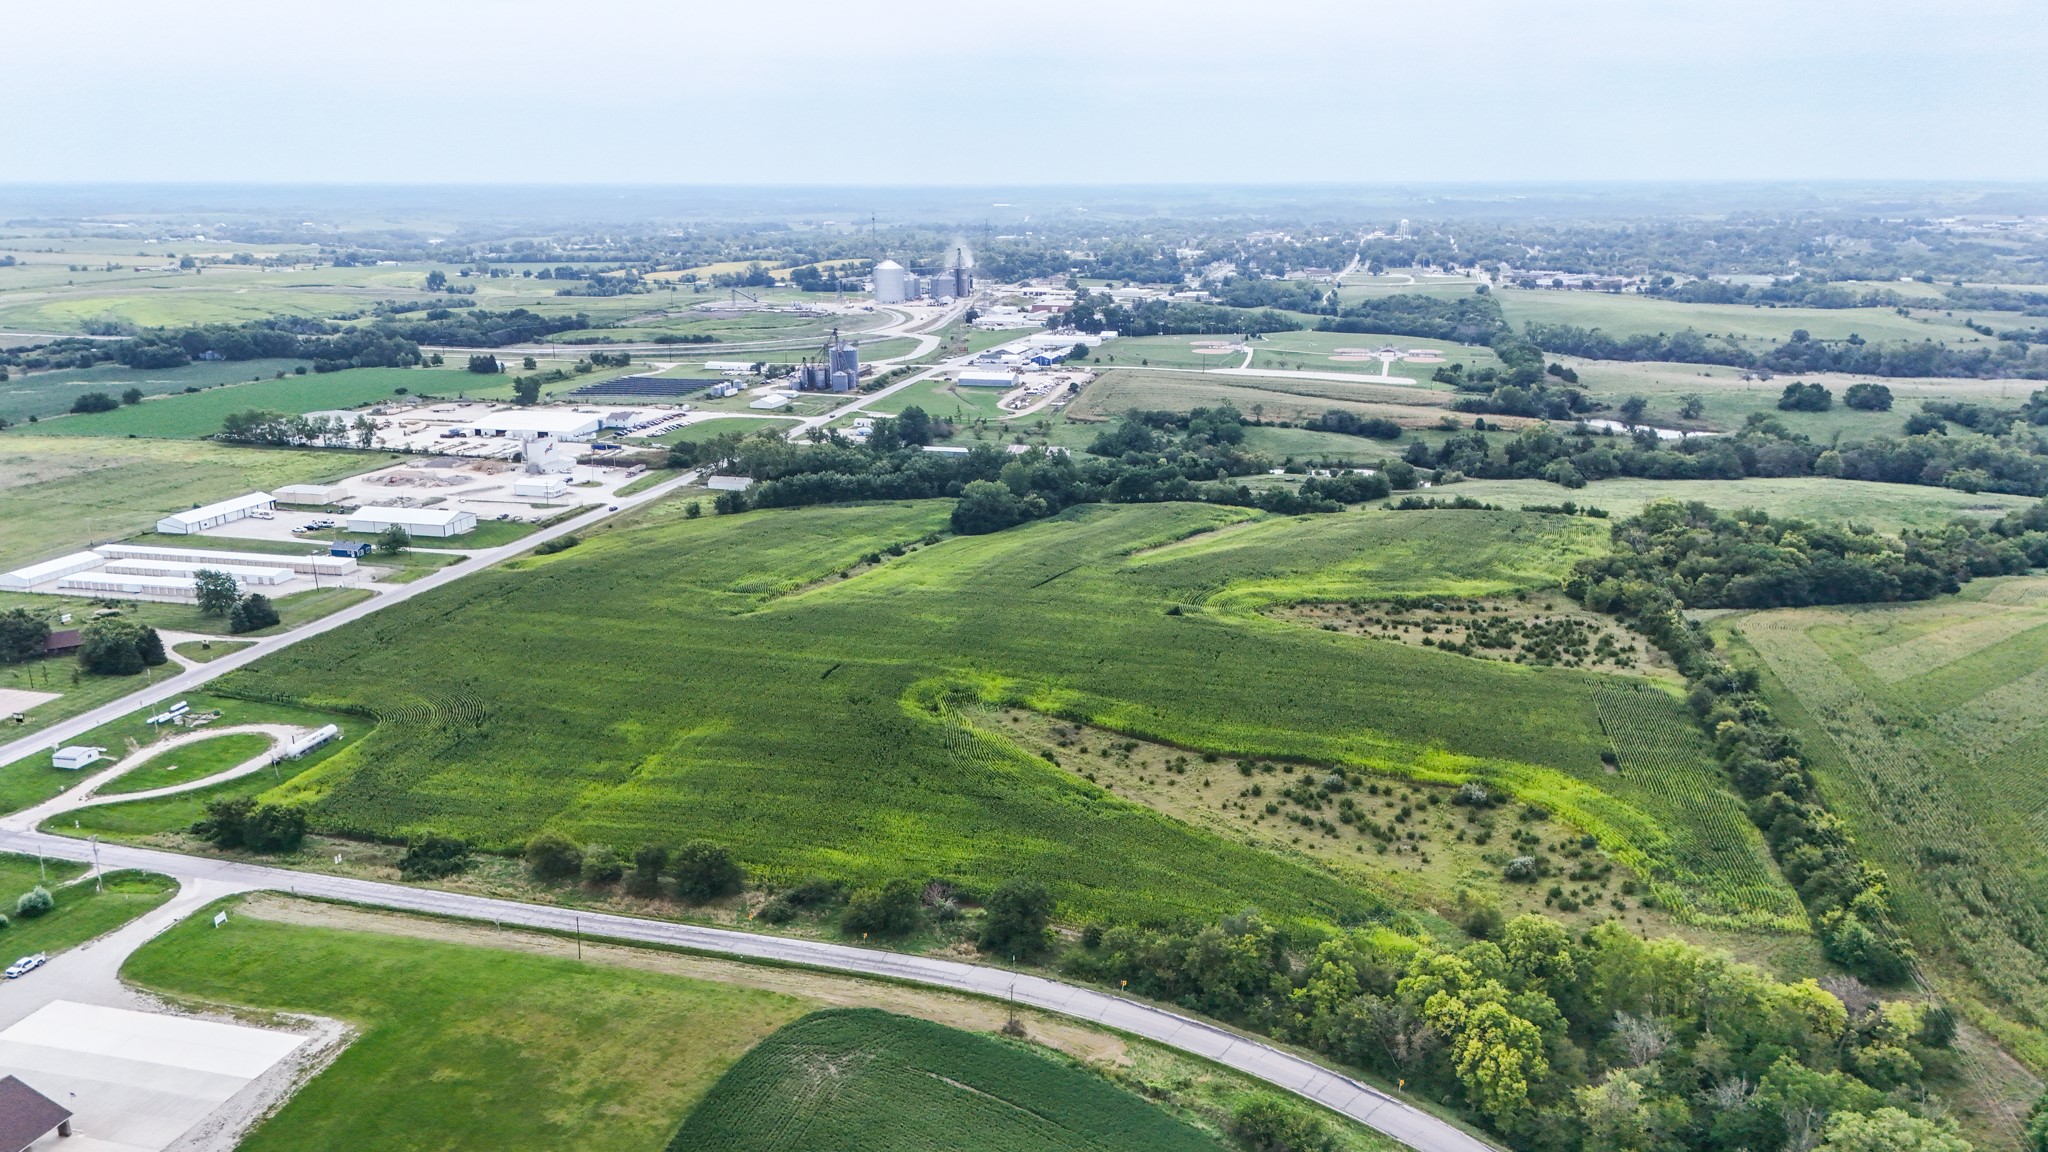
[[192, 678], [1409, 1125]]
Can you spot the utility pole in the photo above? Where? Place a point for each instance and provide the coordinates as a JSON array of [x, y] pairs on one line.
[[99, 880]]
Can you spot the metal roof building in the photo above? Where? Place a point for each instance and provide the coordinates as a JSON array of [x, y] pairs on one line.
[[416, 521], [214, 515], [48, 570]]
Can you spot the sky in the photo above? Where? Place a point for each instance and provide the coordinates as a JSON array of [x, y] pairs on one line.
[[925, 92]]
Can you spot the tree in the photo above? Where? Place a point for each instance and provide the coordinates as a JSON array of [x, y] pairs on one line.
[[1890, 1130], [894, 909], [986, 506], [150, 647], [252, 612], [216, 591], [1800, 397], [437, 281], [132, 396], [525, 390], [239, 822], [22, 635], [648, 862], [115, 646], [550, 856], [34, 902], [94, 402], [1868, 397], [601, 866], [1017, 918], [1632, 409], [706, 871], [1691, 406], [914, 426], [529, 363], [484, 365], [365, 430], [433, 858], [393, 540]]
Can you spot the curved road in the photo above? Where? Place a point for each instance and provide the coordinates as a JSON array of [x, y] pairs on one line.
[[1403, 1122]]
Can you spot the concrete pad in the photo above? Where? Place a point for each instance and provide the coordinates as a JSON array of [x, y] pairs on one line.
[[135, 1081], [14, 700]]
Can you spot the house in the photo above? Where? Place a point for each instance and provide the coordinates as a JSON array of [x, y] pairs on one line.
[[27, 1115], [352, 549], [62, 643]]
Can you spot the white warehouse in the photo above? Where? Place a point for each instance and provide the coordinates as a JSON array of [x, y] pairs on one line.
[[540, 487], [304, 565], [534, 424], [24, 578], [312, 495], [215, 515], [416, 521]]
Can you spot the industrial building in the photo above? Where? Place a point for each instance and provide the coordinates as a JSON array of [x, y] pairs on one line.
[[311, 495], [416, 521], [987, 378], [22, 579], [303, 565], [836, 370], [215, 515], [534, 424], [540, 487]]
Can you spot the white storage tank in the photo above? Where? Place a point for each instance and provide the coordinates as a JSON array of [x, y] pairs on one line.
[[889, 283]]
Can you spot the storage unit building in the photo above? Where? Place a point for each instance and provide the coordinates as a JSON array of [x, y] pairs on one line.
[[215, 515], [243, 576], [987, 379], [207, 558], [416, 521], [48, 570], [168, 589]]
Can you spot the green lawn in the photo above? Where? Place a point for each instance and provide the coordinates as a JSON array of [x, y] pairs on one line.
[[82, 913], [189, 762], [1885, 507], [47, 394], [191, 416], [1622, 315], [466, 1048], [207, 651], [59, 493], [640, 688], [906, 1083]]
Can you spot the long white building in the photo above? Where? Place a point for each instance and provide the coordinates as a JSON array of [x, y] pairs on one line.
[[255, 576], [214, 515], [416, 521], [22, 579], [173, 589], [303, 565]]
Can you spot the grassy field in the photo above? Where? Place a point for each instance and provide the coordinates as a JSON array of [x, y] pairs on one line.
[[190, 416], [33, 780], [1274, 397], [724, 622], [189, 762], [469, 1048], [47, 394], [59, 494], [82, 911], [1622, 315], [904, 1083], [1928, 726], [207, 651], [1885, 507]]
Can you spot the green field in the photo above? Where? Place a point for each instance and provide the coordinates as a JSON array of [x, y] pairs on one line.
[[83, 911], [50, 393], [1928, 727], [1884, 507], [895, 1082], [1623, 315], [207, 651], [191, 416], [1268, 397], [188, 762], [713, 678], [60, 494], [469, 1048]]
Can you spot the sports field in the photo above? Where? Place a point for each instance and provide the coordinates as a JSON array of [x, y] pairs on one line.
[[62, 493], [716, 678], [1928, 725]]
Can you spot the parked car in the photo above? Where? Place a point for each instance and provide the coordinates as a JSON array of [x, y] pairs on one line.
[[613, 508], [26, 965]]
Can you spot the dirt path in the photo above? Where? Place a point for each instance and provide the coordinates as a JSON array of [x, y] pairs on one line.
[[823, 987], [84, 795]]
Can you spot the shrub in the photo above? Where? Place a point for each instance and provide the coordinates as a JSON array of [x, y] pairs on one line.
[[1805, 398], [559, 544], [132, 396], [240, 822], [1484, 923], [433, 858], [1017, 917], [551, 857], [1523, 870], [602, 866], [648, 862], [706, 871], [1266, 1123], [894, 909], [94, 402], [34, 902], [114, 646], [810, 894], [393, 540], [252, 612], [1868, 397]]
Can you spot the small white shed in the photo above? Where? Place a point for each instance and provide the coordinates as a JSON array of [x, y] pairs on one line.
[[75, 757]]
